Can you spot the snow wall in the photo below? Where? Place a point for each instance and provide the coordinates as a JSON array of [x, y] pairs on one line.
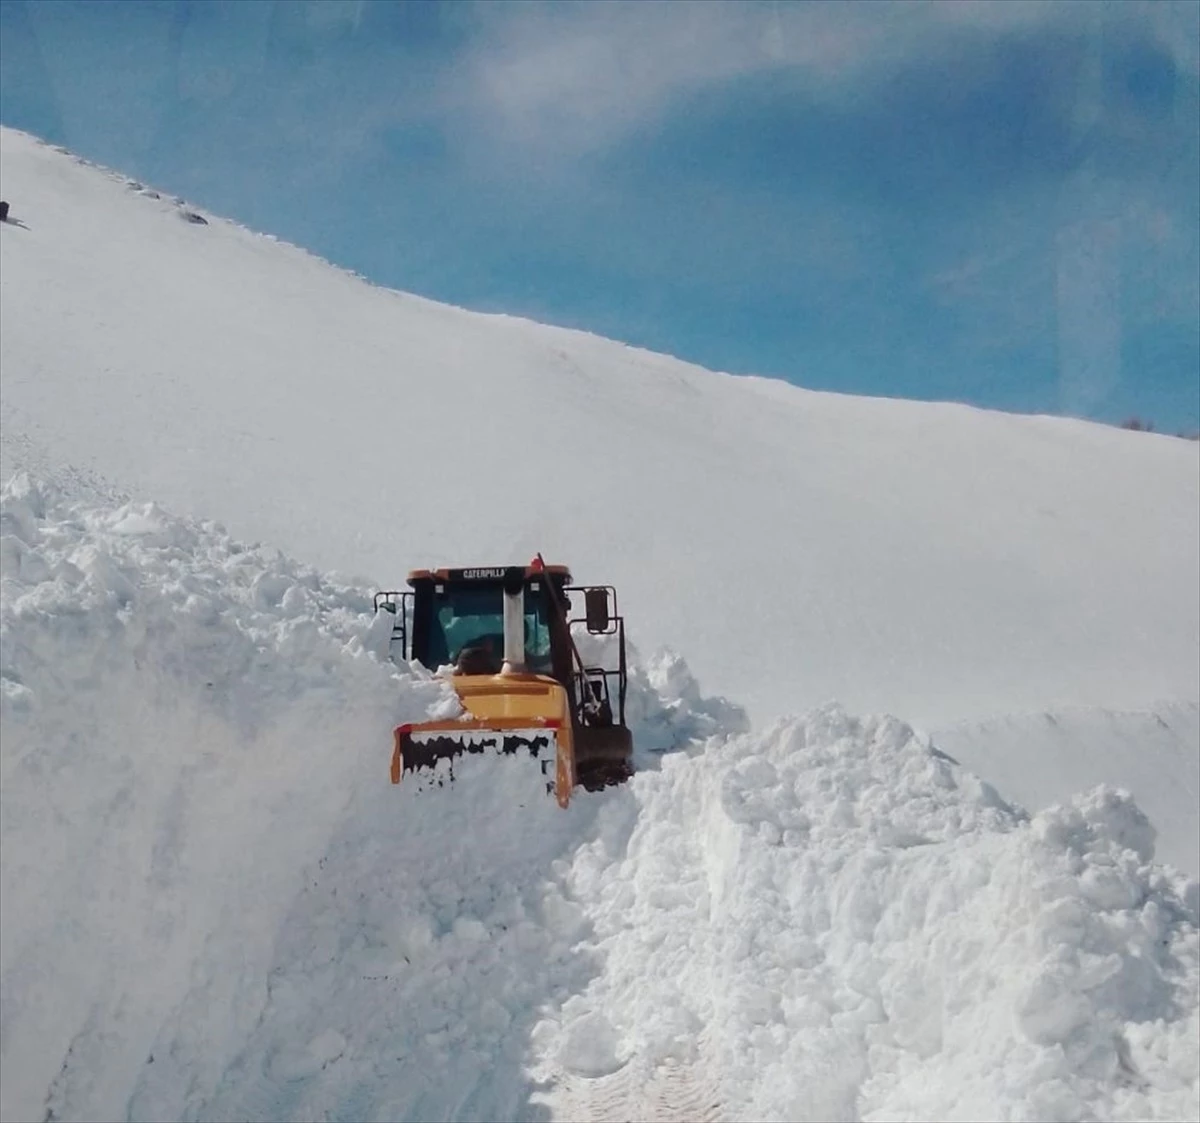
[[215, 906]]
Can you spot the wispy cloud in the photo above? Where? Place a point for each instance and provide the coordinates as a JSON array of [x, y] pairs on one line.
[[325, 15], [576, 77], [760, 185], [579, 76]]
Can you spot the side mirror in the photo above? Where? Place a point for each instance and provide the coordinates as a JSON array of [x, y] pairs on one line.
[[596, 604]]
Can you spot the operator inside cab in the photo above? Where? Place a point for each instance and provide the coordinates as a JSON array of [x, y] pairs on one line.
[[467, 630]]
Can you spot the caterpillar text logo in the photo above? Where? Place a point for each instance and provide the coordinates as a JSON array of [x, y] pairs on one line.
[[481, 574]]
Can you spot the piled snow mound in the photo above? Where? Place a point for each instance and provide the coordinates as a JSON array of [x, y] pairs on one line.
[[665, 707], [186, 721], [216, 907], [833, 921], [1037, 759], [408, 975], [183, 718], [184, 604]]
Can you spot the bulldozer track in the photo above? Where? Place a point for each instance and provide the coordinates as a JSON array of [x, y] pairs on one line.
[[670, 1091]]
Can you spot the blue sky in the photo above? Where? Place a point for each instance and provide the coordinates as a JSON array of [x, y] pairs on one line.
[[993, 202]]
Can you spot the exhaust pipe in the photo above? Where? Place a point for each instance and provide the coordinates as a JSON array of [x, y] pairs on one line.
[[514, 631]]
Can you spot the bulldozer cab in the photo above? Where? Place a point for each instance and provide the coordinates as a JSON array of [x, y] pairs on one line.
[[504, 634], [453, 620], [449, 612]]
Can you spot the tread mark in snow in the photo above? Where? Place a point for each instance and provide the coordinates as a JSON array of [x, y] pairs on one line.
[[672, 1091]]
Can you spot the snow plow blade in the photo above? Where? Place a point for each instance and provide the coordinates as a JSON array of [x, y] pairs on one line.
[[506, 714]]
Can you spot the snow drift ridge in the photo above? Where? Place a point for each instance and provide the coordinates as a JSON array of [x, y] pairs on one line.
[[215, 906]]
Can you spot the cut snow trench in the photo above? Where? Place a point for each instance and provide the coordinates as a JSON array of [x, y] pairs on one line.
[[827, 920], [192, 728]]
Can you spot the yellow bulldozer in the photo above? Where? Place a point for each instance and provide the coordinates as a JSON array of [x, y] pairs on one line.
[[504, 636]]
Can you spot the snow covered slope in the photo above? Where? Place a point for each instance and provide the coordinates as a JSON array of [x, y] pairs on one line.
[[1035, 759], [933, 561], [215, 908]]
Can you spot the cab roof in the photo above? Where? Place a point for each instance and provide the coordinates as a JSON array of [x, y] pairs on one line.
[[475, 574]]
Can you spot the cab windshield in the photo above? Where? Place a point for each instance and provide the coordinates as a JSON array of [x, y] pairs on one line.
[[472, 616]]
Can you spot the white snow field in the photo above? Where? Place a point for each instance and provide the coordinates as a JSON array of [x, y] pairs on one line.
[[214, 906], [935, 561]]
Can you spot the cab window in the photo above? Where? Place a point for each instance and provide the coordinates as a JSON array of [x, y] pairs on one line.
[[473, 616]]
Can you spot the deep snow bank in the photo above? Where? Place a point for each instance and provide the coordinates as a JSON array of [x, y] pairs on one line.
[[216, 907], [187, 722], [184, 718], [833, 921], [1038, 759], [830, 921]]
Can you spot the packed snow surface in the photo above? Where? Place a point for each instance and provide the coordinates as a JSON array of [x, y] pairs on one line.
[[216, 907]]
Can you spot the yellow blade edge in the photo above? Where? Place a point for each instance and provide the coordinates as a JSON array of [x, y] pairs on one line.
[[505, 702]]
